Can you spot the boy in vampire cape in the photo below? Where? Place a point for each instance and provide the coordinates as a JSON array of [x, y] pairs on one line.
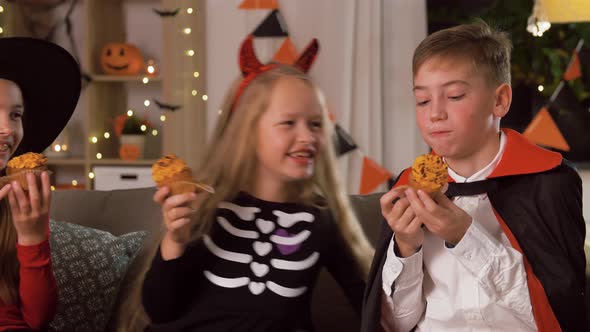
[[503, 247]]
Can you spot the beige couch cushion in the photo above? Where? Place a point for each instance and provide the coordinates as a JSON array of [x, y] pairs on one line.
[[123, 211]]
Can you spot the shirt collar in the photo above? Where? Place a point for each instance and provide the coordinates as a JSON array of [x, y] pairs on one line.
[[483, 173]]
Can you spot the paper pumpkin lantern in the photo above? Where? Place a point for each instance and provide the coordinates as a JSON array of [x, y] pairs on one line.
[[121, 59]]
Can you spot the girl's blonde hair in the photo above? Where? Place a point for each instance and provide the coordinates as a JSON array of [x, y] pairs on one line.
[[230, 161], [233, 170], [9, 266]]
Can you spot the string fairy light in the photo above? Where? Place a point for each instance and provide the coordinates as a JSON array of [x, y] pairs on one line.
[[190, 52], [1, 12], [537, 23]]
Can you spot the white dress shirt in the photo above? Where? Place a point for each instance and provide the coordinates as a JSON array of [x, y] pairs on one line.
[[479, 285]]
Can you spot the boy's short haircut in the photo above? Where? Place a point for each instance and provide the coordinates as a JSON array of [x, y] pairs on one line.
[[487, 49]]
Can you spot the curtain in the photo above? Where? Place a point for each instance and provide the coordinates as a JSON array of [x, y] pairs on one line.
[[363, 68]]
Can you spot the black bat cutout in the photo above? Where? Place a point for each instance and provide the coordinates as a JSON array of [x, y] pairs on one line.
[[167, 107], [166, 13]]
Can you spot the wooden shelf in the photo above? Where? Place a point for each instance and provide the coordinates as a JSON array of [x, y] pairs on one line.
[[124, 79], [66, 161], [107, 96], [120, 162]]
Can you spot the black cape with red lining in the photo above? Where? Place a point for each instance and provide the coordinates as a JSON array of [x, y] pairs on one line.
[[538, 203]]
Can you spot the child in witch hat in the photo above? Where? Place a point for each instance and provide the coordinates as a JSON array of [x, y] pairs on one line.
[[39, 89]]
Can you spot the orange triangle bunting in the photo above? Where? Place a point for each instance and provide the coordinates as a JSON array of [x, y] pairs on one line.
[[372, 176], [259, 4], [574, 70], [287, 54], [331, 116], [544, 131]]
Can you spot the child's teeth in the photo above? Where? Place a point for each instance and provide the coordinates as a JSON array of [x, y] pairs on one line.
[[3, 147]]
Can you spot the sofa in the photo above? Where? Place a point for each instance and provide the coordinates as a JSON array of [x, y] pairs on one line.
[[132, 212], [122, 212]]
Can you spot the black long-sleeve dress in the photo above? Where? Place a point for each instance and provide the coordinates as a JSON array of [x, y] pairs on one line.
[[255, 271]]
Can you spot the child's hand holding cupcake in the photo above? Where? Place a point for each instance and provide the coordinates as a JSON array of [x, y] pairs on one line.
[[177, 194], [29, 194]]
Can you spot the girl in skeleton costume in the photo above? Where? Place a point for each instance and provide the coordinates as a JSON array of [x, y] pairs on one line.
[[33, 111], [248, 257]]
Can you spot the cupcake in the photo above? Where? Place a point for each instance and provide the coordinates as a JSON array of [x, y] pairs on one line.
[[429, 173], [18, 167], [173, 172]]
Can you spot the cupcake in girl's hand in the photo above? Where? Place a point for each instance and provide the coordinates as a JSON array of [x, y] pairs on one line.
[[173, 172], [18, 167]]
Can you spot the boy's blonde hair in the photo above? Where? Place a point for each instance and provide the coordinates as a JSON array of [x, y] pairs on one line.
[[230, 162], [488, 50]]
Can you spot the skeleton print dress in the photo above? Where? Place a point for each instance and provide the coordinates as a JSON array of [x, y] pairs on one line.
[[255, 271]]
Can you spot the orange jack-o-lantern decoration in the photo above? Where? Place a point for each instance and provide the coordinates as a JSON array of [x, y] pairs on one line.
[[129, 152], [121, 59]]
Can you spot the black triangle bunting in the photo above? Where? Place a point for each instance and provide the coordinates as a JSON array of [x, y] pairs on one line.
[[272, 26], [343, 143]]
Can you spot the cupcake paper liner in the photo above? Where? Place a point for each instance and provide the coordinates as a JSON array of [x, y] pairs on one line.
[[21, 178], [182, 187]]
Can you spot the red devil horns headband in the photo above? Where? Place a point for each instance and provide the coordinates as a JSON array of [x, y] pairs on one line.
[[251, 67]]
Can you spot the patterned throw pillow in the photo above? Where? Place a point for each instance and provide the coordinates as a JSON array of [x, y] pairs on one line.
[[89, 265]]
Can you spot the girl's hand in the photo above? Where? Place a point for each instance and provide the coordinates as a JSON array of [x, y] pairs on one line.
[[177, 212], [30, 212]]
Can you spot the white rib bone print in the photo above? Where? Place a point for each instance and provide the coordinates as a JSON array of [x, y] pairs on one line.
[[261, 249]]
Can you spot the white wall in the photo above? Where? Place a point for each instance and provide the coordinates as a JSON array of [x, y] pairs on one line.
[[327, 20], [227, 27]]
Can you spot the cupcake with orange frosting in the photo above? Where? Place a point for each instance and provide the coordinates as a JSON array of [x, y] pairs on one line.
[[429, 173], [18, 167], [173, 172]]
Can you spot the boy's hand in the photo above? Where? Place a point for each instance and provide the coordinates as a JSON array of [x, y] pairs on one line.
[[442, 217], [177, 215], [30, 211], [402, 220]]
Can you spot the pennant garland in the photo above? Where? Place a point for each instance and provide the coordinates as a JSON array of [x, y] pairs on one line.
[[259, 4], [343, 143], [544, 131], [574, 70], [287, 54], [372, 176], [272, 26]]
